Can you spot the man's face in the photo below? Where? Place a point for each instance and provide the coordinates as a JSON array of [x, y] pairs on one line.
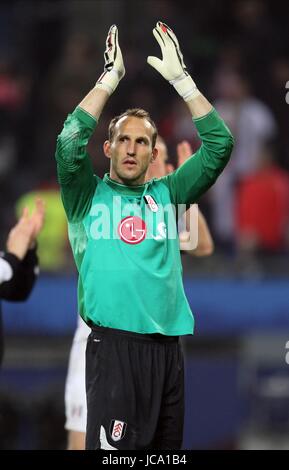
[[130, 150]]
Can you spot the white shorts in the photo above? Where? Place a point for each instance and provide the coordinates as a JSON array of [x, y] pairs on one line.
[[75, 394]]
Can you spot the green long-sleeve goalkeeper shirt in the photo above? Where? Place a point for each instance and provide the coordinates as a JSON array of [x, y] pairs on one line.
[[123, 237]]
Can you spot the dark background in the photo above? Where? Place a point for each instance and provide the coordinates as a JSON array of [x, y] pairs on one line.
[[51, 54]]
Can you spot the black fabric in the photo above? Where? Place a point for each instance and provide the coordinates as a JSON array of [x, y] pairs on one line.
[[137, 380], [23, 279], [1, 337], [20, 285]]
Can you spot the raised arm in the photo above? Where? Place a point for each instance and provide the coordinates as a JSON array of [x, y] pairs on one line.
[[18, 265], [114, 71], [173, 69], [74, 166], [205, 246], [198, 173]]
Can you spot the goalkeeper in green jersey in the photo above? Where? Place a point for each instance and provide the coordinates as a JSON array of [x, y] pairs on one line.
[[123, 235]]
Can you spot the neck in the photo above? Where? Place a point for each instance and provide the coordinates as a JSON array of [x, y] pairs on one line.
[[127, 182]]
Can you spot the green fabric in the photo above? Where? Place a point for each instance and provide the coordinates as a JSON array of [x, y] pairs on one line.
[[134, 287], [200, 171]]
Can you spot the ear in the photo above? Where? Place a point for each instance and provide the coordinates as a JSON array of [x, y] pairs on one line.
[[154, 155], [107, 148]]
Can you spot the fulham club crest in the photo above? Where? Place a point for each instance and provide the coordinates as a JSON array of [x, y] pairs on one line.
[[117, 429], [151, 203]]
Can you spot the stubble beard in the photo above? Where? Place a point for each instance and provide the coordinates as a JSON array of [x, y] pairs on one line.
[[130, 179]]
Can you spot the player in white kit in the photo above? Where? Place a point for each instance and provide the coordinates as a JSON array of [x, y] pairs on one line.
[[75, 395]]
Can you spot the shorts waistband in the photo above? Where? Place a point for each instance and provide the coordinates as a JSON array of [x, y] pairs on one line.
[[153, 337]]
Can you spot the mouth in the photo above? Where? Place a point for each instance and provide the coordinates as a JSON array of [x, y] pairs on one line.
[[129, 162]]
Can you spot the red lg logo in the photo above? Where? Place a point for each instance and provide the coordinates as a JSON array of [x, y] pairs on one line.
[[132, 230]]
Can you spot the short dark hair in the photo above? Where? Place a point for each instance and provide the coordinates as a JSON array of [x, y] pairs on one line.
[[136, 112]]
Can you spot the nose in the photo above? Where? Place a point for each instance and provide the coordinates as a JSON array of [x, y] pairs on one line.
[[130, 150]]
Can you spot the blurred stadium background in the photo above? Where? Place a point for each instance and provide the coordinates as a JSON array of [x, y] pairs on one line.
[[51, 53]]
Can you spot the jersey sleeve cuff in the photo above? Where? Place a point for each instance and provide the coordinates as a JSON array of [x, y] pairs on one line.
[[85, 117], [204, 123], [13, 261]]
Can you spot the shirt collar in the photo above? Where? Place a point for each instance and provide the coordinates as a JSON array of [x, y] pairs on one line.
[[137, 190]]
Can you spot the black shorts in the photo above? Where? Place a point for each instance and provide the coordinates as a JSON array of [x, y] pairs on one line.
[[135, 391]]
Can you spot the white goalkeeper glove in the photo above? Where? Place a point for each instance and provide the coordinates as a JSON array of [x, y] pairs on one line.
[[113, 63], [172, 66]]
